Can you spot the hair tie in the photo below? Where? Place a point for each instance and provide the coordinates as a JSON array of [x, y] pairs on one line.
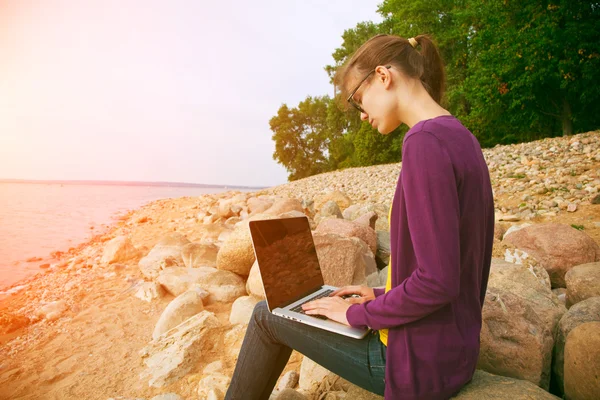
[[413, 42]]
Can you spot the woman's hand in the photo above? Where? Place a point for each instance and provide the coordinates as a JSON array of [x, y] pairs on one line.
[[333, 308], [361, 294]]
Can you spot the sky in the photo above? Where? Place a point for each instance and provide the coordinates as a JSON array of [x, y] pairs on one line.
[[178, 91]]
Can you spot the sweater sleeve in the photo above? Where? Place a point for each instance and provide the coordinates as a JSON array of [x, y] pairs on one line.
[[432, 208]]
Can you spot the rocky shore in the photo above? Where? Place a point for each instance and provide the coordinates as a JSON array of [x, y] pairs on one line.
[[157, 306]]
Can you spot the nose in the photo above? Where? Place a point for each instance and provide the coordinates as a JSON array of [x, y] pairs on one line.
[[364, 116]]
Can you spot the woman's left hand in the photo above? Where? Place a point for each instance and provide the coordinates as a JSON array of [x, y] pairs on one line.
[[332, 307]]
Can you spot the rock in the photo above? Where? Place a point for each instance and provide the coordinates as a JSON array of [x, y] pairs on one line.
[[312, 373], [369, 219], [349, 229], [384, 249], [290, 394], [509, 218], [515, 228], [184, 306], [342, 259], [331, 209], [52, 310], [285, 205], [258, 205], [556, 247], [236, 254], [176, 352], [499, 230], [241, 309], [583, 282], [118, 250], [233, 341], [357, 393], [254, 285], [340, 198], [149, 291], [358, 210], [167, 396], [585, 311], [582, 362], [378, 278], [223, 286], [485, 386], [289, 380], [561, 293], [215, 394], [212, 232], [216, 382], [520, 315], [596, 199], [200, 255], [166, 253]]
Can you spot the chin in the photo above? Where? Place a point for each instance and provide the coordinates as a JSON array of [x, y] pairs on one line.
[[385, 129]]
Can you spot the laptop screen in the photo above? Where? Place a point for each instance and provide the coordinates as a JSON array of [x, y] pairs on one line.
[[287, 259]]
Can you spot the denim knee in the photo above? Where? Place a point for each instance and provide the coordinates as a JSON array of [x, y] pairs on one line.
[[260, 311]]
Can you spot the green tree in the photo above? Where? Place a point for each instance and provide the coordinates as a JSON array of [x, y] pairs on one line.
[[302, 138]]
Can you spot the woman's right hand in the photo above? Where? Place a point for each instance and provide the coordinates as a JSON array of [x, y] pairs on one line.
[[364, 293]]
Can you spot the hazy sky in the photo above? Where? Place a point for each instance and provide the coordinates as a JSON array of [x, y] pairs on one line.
[[159, 90]]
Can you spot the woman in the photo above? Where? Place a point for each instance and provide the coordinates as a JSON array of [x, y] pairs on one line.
[[426, 323]]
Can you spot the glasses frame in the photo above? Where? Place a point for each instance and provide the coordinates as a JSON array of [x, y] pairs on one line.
[[350, 98]]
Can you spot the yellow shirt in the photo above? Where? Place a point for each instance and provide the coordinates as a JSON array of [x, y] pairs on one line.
[[383, 333]]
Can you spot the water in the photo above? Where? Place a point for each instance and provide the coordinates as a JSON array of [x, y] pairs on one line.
[[39, 218]]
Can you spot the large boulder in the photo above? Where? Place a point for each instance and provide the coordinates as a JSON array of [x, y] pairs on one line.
[[254, 284], [166, 253], [222, 286], [118, 250], [585, 311], [356, 211], [312, 374], [258, 205], [520, 315], [241, 309], [285, 205], [200, 255], [582, 362], [184, 306], [384, 249], [236, 254], [176, 352], [556, 247], [330, 209], [349, 229], [149, 291], [340, 198], [583, 282], [485, 386], [343, 260]]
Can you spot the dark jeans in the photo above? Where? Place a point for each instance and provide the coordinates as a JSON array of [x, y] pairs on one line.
[[268, 345]]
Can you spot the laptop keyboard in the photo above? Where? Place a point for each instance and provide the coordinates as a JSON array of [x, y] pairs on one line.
[[299, 309]]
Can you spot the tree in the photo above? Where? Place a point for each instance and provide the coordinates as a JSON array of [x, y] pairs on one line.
[[301, 137]]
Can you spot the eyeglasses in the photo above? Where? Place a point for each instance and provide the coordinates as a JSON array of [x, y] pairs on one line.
[[350, 98]]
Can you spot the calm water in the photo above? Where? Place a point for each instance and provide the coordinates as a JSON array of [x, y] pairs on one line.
[[36, 219]]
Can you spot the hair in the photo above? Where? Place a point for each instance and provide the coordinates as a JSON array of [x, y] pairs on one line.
[[424, 64]]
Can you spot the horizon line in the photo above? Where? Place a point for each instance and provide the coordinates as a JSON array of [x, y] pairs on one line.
[[127, 183]]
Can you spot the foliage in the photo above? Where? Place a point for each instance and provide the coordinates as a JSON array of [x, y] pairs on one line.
[[516, 71]]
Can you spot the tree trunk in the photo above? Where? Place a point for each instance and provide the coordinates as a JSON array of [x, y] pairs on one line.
[[567, 118]]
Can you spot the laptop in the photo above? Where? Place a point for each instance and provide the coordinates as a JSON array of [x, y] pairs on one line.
[[290, 272]]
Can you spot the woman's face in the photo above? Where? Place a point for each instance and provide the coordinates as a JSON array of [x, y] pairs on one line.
[[377, 98]]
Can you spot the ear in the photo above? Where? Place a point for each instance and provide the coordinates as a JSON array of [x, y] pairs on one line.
[[384, 75]]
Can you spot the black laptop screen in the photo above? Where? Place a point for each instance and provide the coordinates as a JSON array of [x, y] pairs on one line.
[[287, 259]]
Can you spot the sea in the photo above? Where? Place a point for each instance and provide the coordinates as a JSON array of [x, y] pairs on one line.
[[37, 219]]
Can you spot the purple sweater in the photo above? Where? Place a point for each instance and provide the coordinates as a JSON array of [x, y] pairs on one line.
[[441, 231]]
